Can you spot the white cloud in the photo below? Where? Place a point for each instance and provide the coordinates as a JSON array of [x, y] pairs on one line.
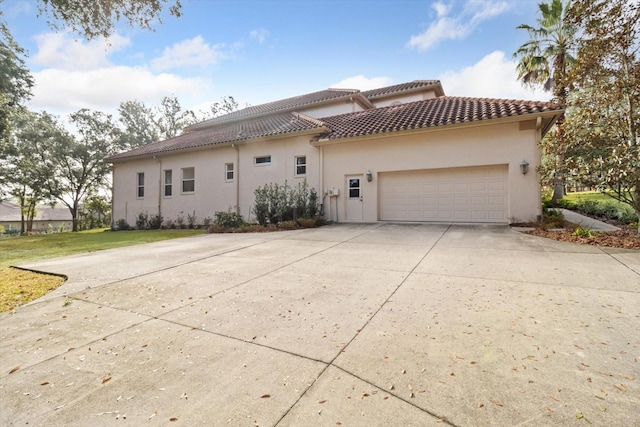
[[493, 76], [189, 53], [61, 51], [259, 34], [362, 83], [459, 26], [61, 91], [75, 75]]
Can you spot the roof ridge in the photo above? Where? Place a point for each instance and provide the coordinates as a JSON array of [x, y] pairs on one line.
[[504, 100], [310, 119]]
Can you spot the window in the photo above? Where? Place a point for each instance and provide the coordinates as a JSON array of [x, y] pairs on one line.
[[168, 178], [262, 160], [188, 180], [354, 188], [228, 171], [140, 187], [301, 165]]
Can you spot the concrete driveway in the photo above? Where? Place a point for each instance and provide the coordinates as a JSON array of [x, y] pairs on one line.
[[381, 324]]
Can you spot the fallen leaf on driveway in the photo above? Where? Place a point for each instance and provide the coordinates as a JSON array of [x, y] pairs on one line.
[[620, 387], [14, 369], [497, 403], [44, 383], [173, 419], [265, 396], [106, 379]]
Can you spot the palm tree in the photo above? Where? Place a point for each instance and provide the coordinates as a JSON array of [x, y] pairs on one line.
[[545, 60]]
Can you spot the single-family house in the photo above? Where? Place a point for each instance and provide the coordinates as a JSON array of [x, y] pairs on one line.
[[404, 152], [47, 218]]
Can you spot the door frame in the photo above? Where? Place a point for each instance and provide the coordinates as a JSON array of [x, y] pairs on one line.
[[353, 206]]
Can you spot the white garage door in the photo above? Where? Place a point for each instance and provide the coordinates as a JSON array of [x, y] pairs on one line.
[[473, 194]]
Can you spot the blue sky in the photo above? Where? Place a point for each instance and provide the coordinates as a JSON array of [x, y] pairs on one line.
[[264, 50]]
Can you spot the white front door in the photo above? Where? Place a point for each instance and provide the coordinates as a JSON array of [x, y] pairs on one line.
[[353, 193]]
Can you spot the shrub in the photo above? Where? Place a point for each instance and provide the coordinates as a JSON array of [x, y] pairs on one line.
[[287, 225], [275, 203], [552, 218], [170, 224], [191, 220], [122, 224], [583, 232], [142, 221], [180, 220], [228, 219], [206, 221], [155, 222], [307, 222]]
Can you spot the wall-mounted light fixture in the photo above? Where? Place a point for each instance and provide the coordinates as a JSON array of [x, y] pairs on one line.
[[369, 176], [524, 167]]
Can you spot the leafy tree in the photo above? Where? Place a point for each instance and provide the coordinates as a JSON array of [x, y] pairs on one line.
[[76, 166], [142, 125], [604, 115], [171, 118], [97, 18], [139, 125], [22, 172], [15, 79], [226, 105], [98, 211], [544, 61]]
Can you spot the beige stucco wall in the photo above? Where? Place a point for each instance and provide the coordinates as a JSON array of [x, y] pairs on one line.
[[472, 146], [212, 192]]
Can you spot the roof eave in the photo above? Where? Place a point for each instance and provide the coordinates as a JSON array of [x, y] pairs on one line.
[[548, 118], [313, 131]]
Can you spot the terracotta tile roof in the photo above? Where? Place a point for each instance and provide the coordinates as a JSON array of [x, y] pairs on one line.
[[433, 112], [276, 124], [404, 87], [281, 105]]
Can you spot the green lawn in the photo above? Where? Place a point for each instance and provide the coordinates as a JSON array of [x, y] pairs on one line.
[[18, 287], [595, 196]]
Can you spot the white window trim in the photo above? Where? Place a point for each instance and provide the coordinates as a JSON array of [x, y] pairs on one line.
[[295, 166], [264, 163], [191, 179], [138, 186], [226, 172], [164, 183]]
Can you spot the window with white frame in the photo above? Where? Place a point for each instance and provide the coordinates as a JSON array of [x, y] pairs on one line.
[[188, 180], [140, 186], [301, 165], [262, 160], [228, 172], [168, 183]]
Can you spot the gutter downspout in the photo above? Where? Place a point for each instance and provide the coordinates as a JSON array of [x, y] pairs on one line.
[[159, 185], [237, 177], [539, 162], [321, 169]]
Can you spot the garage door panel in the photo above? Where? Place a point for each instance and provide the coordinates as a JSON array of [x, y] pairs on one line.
[[474, 194]]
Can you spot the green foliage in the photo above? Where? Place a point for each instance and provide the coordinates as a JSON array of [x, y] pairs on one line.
[[142, 221], [15, 80], [275, 203], [287, 225], [155, 222], [552, 218], [98, 19], [191, 220], [228, 219], [121, 225], [603, 118], [583, 232]]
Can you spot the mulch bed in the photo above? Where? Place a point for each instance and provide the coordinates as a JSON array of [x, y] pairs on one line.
[[627, 237]]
